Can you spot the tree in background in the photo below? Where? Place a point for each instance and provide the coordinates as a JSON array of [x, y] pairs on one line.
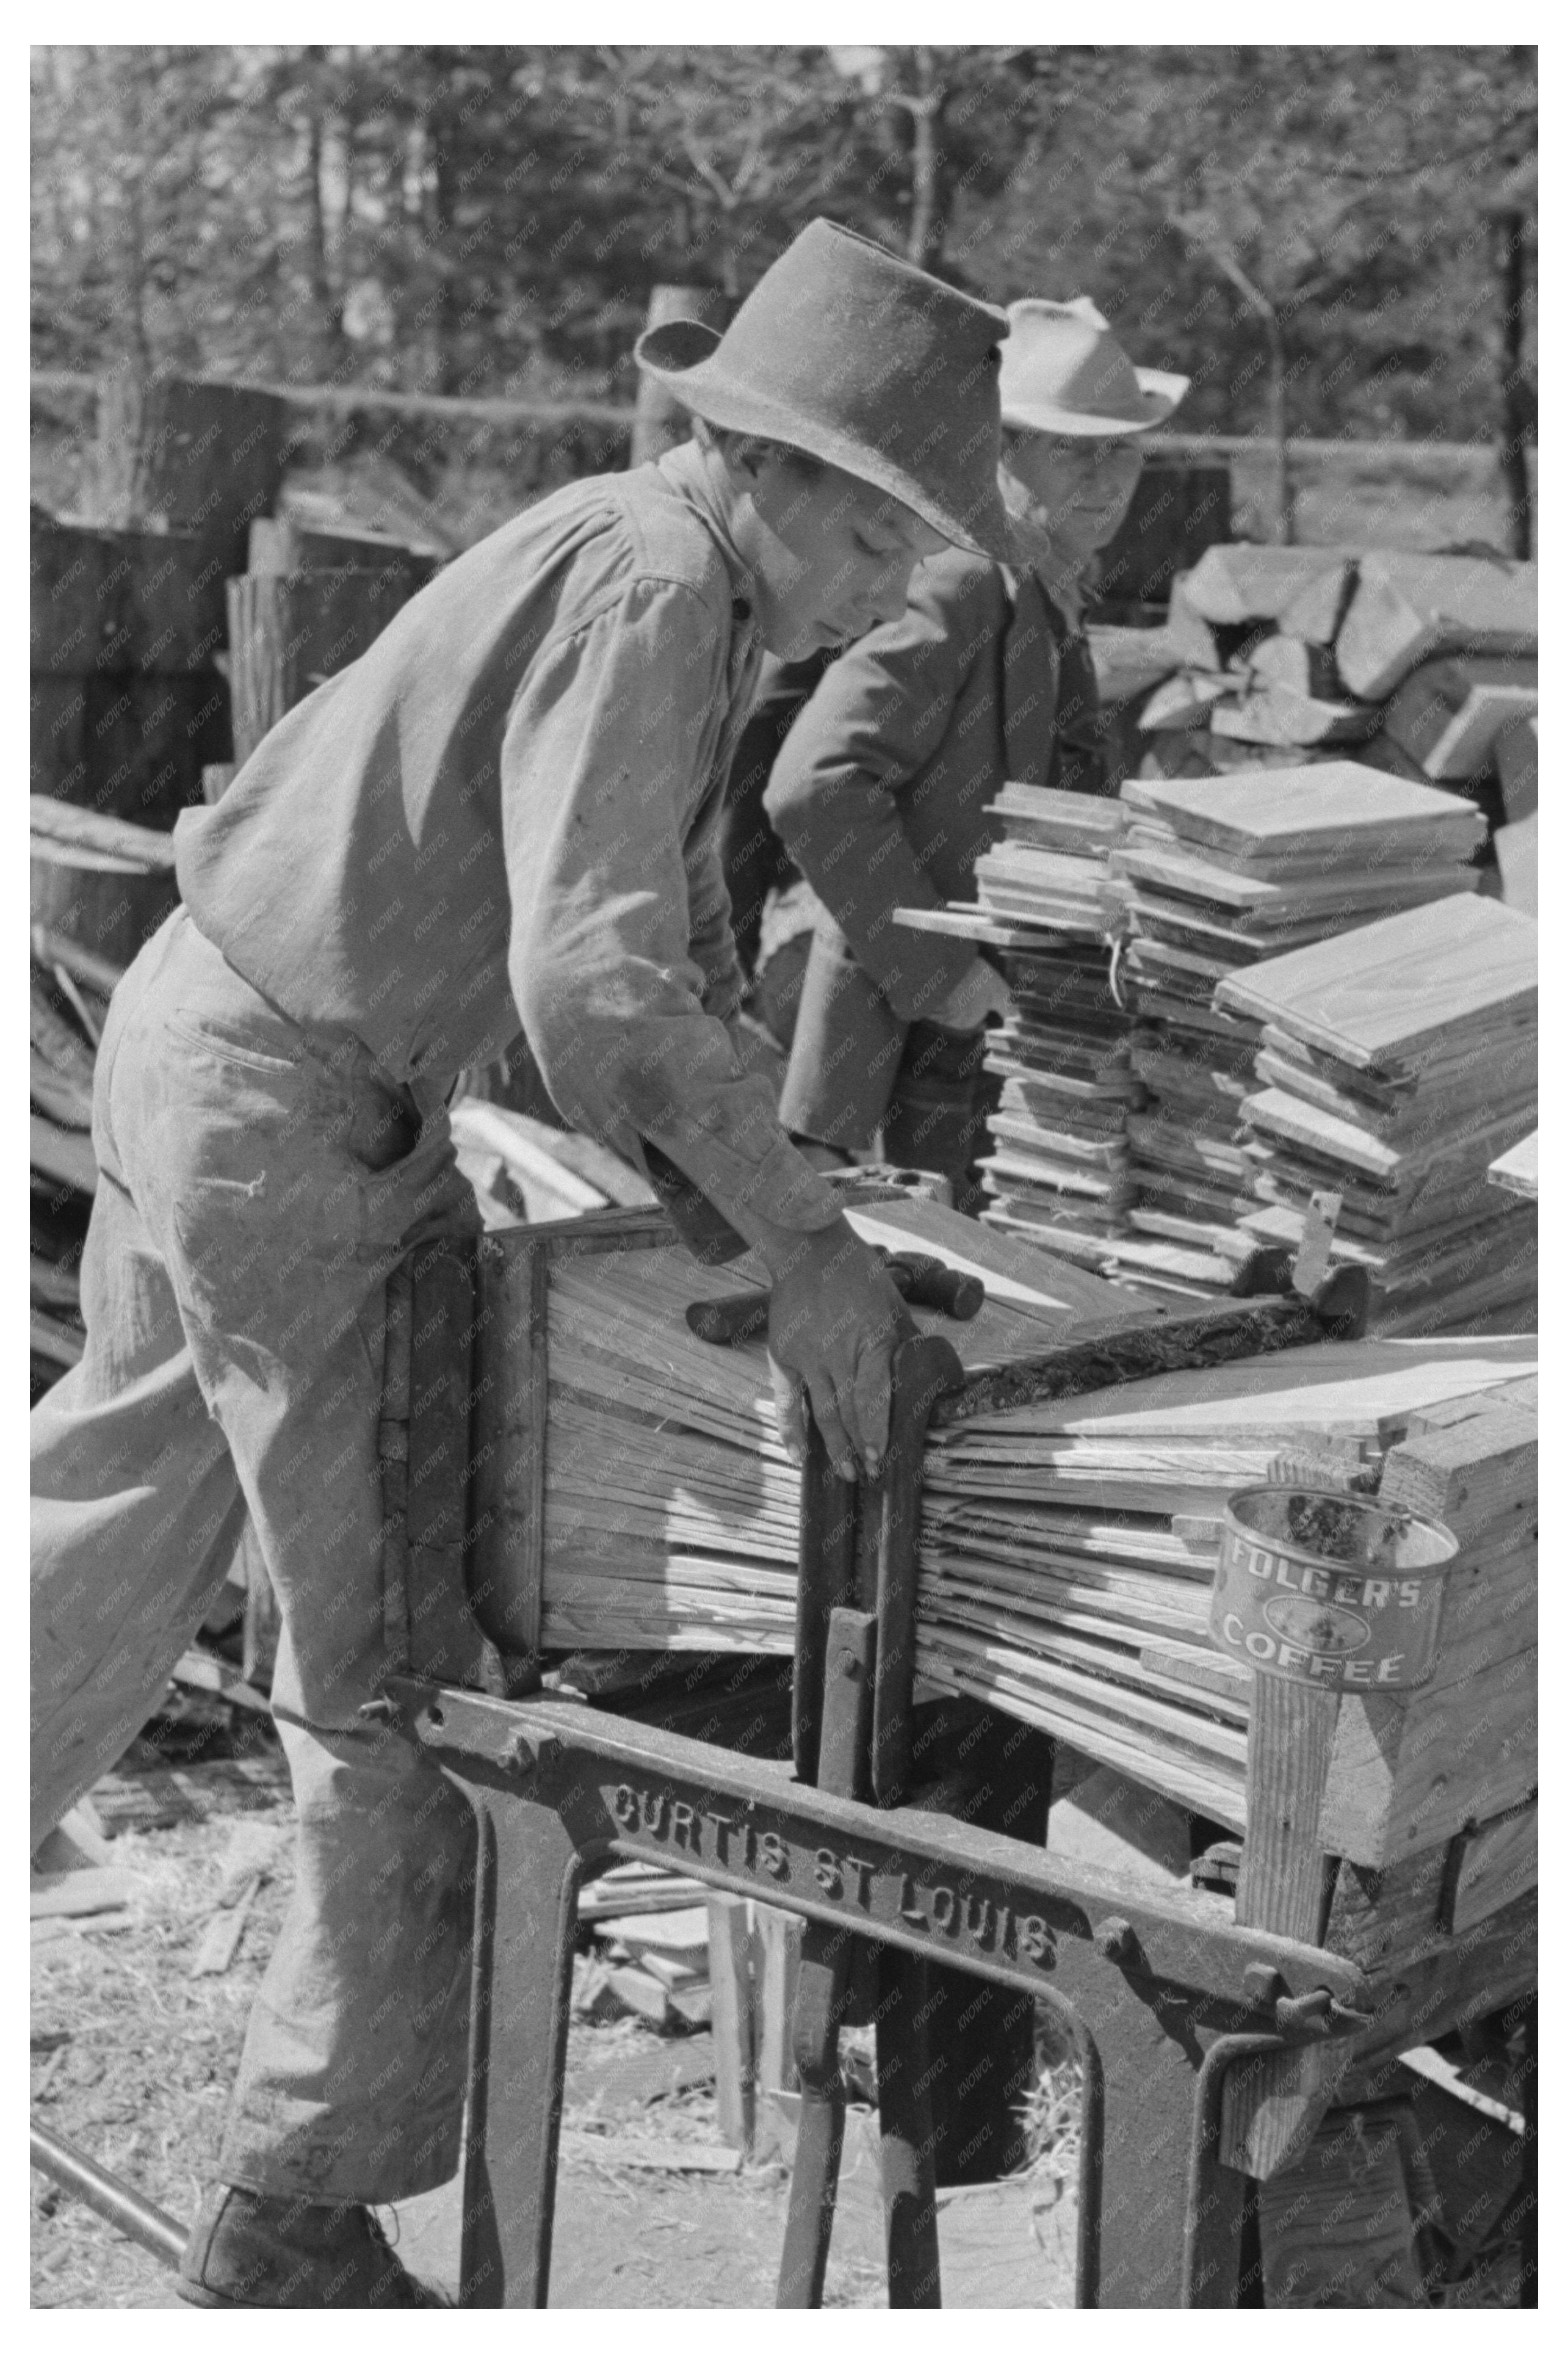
[[1328, 240]]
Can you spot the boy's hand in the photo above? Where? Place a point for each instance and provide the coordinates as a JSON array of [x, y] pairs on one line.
[[833, 1322], [981, 991]]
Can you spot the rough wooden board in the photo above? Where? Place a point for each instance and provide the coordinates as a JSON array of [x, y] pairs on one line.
[[1515, 756], [1518, 1170], [1306, 811], [1517, 849], [614, 2149], [1489, 1867], [1283, 1883], [1448, 714], [1275, 713], [1184, 702], [1406, 608], [1377, 1916], [1271, 2106], [1337, 2228], [1315, 612], [1479, 1477], [1127, 663], [65, 1896], [1300, 667], [1016, 1273], [1402, 1778], [1373, 996], [1242, 583]]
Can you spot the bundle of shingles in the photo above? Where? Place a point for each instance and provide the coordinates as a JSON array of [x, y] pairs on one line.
[[1059, 1134], [1397, 1063], [1068, 1547], [1224, 875], [1421, 665]]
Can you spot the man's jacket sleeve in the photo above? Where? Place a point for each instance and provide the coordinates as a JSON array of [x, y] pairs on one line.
[[869, 736], [603, 790]]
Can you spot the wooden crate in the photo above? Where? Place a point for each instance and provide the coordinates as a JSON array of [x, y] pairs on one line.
[[1399, 1830]]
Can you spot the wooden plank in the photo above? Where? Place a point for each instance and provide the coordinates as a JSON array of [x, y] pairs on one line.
[[286, 634], [106, 601], [1272, 2104], [1303, 667], [732, 1966], [1284, 1882], [1242, 583], [1407, 608], [509, 1422], [281, 545], [1515, 756], [187, 454], [1479, 1477], [1315, 612], [1380, 1915], [1517, 850], [1275, 713], [1404, 1778], [1308, 811], [1373, 996], [1448, 714], [1518, 1170], [1488, 1868], [1337, 2228]]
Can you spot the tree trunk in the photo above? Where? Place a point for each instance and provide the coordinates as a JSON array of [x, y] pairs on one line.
[[328, 324], [1513, 455], [1284, 496], [659, 421], [925, 225]]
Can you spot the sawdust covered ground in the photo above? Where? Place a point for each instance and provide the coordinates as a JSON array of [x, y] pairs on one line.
[[133, 2058]]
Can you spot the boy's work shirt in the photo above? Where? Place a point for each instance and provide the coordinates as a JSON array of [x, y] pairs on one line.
[[508, 807]]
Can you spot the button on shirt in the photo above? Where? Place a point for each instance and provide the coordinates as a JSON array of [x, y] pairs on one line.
[[508, 808]]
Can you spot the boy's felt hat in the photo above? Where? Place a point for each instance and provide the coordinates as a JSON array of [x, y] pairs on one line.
[[845, 350]]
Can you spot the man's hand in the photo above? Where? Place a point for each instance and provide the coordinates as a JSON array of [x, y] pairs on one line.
[[833, 1322], [983, 991]]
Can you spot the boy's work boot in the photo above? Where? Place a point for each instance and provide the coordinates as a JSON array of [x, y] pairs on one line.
[[246, 2249]]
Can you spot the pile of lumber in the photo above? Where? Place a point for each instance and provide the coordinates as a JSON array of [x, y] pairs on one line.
[[127, 604], [1068, 1547], [670, 1507], [1421, 665], [1397, 1063], [1222, 875], [1059, 1134]]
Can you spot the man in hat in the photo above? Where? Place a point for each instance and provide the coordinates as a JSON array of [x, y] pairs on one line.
[[502, 815], [881, 787]]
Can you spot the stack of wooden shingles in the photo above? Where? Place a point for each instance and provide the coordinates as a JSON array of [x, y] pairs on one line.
[[1222, 873], [1068, 1551], [1397, 1063], [1060, 1155], [1422, 665]]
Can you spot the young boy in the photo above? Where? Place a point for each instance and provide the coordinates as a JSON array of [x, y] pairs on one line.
[[502, 814]]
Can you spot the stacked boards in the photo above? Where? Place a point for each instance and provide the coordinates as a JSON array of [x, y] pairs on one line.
[[670, 1507], [1067, 1546], [1068, 1549], [1050, 907], [1397, 1064], [1421, 665], [1219, 876]]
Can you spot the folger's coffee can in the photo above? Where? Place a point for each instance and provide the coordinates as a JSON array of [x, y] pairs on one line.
[[1329, 1589]]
